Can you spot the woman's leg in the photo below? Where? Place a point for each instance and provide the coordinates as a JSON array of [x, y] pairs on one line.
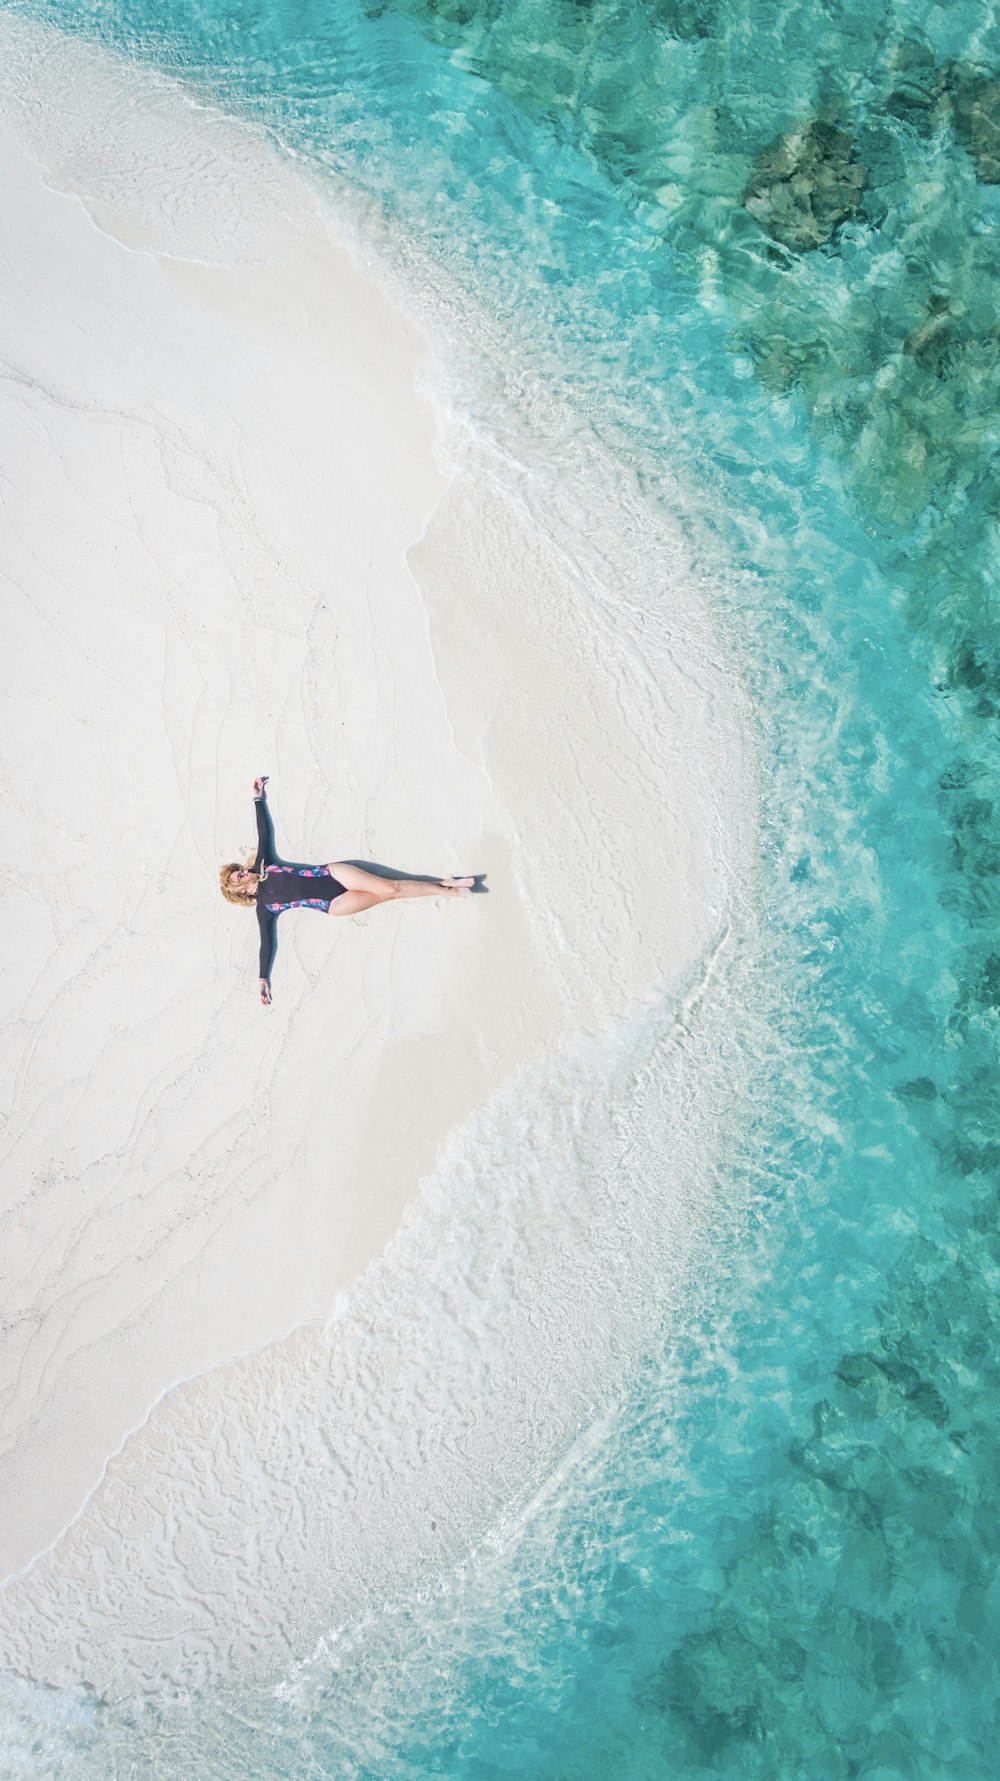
[[354, 903], [385, 890]]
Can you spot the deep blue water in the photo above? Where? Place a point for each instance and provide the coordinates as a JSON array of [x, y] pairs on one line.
[[754, 246]]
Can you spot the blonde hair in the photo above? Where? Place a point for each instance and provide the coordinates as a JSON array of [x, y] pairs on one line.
[[243, 895]]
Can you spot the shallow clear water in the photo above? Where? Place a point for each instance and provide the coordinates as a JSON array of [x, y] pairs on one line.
[[753, 246]]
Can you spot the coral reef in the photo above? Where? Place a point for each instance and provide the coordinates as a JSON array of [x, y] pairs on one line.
[[805, 185]]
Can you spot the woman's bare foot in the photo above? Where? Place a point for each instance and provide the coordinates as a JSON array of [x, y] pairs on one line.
[[457, 887]]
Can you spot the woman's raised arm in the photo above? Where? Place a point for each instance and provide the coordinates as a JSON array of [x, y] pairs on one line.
[[267, 923], [265, 830]]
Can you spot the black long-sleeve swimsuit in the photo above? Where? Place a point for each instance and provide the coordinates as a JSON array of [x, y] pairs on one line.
[[284, 887]]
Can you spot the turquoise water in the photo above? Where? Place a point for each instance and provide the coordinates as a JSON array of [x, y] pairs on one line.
[[754, 247]]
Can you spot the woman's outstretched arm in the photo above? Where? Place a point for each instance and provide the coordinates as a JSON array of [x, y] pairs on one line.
[[267, 923], [265, 828], [266, 920]]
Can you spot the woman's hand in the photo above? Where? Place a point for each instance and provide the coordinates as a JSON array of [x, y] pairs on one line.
[[265, 992], [258, 786]]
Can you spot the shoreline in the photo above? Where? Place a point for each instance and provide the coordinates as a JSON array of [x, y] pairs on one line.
[[231, 519]]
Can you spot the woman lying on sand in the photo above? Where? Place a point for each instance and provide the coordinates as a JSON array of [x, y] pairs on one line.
[[271, 887]]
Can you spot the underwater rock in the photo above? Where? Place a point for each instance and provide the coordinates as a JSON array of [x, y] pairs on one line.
[[966, 97], [974, 666], [687, 20], [804, 186], [974, 103], [962, 773], [920, 1088], [989, 982], [919, 86], [781, 362], [451, 15], [973, 840], [925, 1400], [933, 344], [884, 1382], [858, 1369], [715, 1679]]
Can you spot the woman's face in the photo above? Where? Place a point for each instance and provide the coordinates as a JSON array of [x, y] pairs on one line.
[[241, 878]]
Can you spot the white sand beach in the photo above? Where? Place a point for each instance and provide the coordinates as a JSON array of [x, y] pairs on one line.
[[229, 547]]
